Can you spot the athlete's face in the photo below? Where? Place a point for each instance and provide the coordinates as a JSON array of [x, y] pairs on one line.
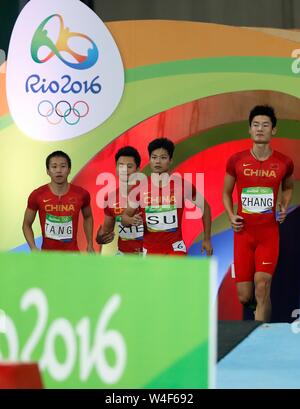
[[160, 161], [261, 129], [58, 170], [126, 166]]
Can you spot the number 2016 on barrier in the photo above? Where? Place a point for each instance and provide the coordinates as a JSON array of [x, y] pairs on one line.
[[89, 356]]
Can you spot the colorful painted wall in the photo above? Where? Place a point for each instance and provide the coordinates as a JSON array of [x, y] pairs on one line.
[[191, 82]]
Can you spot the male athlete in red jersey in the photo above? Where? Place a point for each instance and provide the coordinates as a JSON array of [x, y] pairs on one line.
[[161, 211], [257, 174], [59, 204], [130, 239]]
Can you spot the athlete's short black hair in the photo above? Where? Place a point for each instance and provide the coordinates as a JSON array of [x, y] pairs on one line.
[[163, 143], [60, 154], [129, 151], [266, 110]]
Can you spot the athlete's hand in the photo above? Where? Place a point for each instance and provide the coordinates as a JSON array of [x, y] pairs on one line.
[[282, 213], [35, 249], [90, 248], [237, 222], [207, 247], [137, 219], [104, 238]]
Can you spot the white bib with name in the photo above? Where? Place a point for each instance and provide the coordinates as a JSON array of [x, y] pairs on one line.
[[161, 218], [59, 227], [129, 232], [257, 200]]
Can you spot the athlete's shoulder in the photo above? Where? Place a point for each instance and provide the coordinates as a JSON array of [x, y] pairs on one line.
[[78, 190], [36, 197], [176, 176], [239, 156], [285, 162], [233, 164], [40, 190], [281, 157]]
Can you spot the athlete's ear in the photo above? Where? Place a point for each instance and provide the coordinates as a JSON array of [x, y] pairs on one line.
[[274, 130]]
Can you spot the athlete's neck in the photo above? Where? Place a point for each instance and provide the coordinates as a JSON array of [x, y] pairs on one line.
[[59, 189], [261, 151], [161, 178], [124, 188]]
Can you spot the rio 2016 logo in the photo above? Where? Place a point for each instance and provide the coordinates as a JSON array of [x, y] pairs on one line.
[[41, 39], [64, 70]]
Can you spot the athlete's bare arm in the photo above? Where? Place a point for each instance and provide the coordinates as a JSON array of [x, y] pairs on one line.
[[105, 233], [206, 220], [88, 224], [235, 220], [286, 197], [130, 217], [198, 200], [29, 218]]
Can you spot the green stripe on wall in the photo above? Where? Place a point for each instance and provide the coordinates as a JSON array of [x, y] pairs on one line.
[[5, 121], [240, 64]]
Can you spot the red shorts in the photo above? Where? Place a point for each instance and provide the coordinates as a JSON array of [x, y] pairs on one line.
[[160, 247], [256, 249], [163, 253]]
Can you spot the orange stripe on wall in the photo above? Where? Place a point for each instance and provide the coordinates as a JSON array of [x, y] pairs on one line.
[[147, 42]]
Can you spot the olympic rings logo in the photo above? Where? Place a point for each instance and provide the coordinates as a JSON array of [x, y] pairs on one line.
[[63, 111]]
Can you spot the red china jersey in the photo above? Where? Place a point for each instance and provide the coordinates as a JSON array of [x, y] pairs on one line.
[[258, 183], [59, 216], [162, 211]]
